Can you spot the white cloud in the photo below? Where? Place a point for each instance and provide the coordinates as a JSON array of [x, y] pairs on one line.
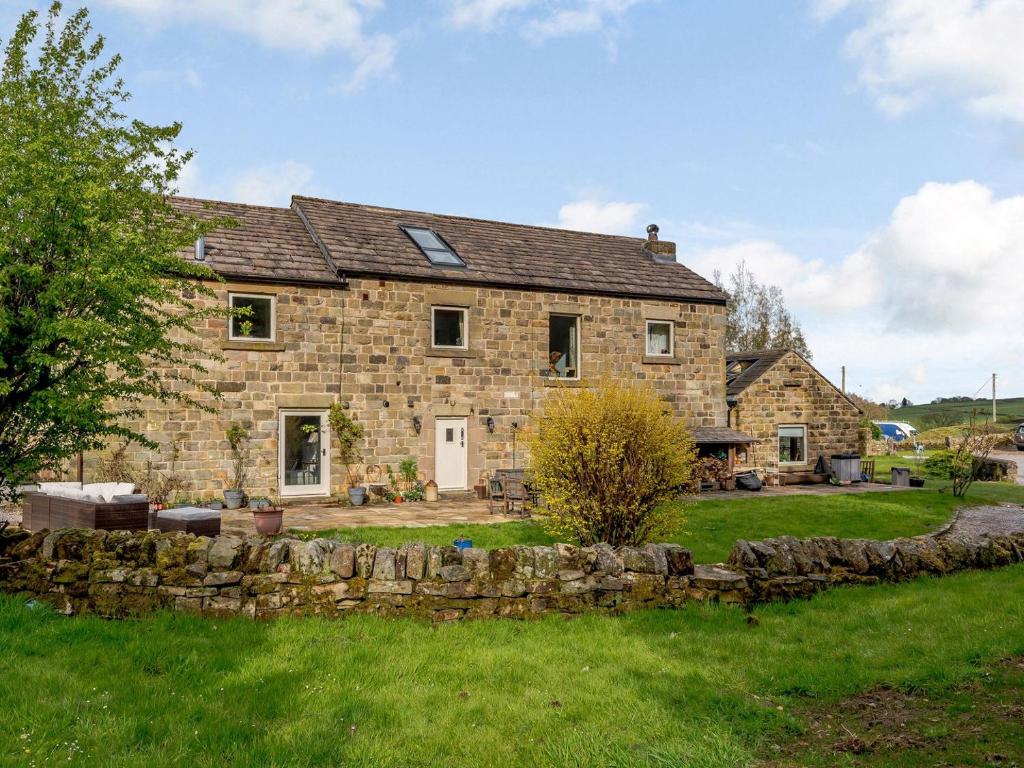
[[911, 51], [314, 26], [610, 218], [269, 184], [539, 20], [924, 306], [185, 76]]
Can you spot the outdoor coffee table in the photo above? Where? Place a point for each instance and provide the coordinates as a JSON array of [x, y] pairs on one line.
[[201, 522]]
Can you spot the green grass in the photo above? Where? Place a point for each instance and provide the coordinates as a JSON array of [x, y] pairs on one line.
[[711, 526], [693, 687]]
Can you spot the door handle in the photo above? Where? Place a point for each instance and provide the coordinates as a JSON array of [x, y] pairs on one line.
[[462, 438]]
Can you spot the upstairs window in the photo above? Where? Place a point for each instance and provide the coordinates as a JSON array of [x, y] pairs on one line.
[[253, 318], [448, 327], [660, 338], [793, 445], [437, 251], [564, 347]]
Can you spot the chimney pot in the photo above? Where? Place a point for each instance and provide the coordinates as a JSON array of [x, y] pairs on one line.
[[652, 232]]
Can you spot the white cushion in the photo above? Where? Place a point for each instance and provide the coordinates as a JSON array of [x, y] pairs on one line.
[[123, 489], [51, 487], [74, 493], [103, 491]]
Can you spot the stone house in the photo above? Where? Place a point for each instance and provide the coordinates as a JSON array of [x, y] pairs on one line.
[[793, 412], [441, 335]]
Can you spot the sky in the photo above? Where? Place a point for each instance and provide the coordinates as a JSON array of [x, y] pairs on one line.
[[866, 156]]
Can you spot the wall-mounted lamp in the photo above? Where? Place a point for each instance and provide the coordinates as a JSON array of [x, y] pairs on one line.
[[387, 403], [515, 425], [417, 424], [490, 424]]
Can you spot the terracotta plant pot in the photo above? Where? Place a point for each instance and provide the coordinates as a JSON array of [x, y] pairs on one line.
[[268, 520], [481, 491], [399, 500]]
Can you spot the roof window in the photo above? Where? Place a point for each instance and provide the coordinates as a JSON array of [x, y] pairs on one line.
[[439, 253]]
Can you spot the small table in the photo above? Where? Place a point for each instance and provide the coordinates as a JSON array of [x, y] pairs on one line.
[[201, 522]]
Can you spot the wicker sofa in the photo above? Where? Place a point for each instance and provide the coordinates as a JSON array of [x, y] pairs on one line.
[[51, 508]]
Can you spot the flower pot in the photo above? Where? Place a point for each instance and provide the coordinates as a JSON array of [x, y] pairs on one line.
[[357, 496], [430, 491], [215, 504], [917, 482], [233, 499], [399, 499], [268, 520], [481, 491]]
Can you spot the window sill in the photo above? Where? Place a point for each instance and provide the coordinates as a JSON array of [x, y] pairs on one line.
[[660, 360], [442, 352], [253, 346]]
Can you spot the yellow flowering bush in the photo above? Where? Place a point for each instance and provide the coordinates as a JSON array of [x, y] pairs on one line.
[[606, 459]]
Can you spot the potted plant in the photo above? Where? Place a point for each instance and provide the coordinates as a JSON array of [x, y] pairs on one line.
[[268, 516], [396, 491], [238, 438], [348, 432], [917, 479]]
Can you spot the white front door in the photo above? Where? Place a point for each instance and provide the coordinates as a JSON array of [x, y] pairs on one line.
[[450, 453], [304, 453]]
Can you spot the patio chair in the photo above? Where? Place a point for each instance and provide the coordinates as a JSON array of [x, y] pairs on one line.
[[516, 492], [495, 494]]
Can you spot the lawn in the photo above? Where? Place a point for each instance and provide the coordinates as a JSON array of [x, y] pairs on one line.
[[694, 687], [712, 525]]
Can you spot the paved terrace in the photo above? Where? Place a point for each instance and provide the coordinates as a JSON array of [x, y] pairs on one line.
[[317, 517]]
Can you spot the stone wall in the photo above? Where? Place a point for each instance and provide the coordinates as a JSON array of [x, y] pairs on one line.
[[794, 393], [369, 347], [119, 574]]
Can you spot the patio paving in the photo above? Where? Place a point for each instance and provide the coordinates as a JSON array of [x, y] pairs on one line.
[[319, 517]]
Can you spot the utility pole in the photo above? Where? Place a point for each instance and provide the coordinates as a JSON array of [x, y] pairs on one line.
[[844, 380], [993, 398]]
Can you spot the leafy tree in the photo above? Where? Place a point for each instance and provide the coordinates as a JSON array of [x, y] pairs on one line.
[[757, 315], [606, 460], [95, 314]]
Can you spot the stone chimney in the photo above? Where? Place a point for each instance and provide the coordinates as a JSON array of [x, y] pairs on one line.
[[661, 251]]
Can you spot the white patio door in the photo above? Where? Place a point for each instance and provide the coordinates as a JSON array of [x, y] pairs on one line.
[[304, 453], [451, 438]]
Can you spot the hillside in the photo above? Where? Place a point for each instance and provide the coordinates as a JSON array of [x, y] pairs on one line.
[[1008, 410]]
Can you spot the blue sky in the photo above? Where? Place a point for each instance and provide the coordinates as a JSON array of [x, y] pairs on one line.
[[866, 156]]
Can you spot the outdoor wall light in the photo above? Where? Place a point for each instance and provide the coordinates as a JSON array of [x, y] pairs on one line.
[[417, 424], [387, 403], [490, 424]]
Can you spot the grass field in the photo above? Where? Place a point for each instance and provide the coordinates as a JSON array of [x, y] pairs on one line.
[[926, 416], [711, 526], [697, 687]]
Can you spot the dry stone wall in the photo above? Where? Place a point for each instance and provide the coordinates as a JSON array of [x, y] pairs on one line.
[[121, 574]]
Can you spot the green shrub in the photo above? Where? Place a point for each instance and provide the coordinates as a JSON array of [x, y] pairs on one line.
[[606, 459]]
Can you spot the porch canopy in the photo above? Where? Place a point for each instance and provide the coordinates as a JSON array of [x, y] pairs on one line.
[[720, 436]]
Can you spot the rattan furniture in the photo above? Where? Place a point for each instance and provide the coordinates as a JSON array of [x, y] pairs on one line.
[[197, 520], [45, 511]]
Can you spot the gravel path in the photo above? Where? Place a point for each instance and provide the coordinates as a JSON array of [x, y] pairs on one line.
[[974, 521]]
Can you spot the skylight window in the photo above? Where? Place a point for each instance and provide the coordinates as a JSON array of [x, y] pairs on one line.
[[434, 248]]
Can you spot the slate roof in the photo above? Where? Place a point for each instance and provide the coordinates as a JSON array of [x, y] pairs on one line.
[[759, 362], [269, 244], [363, 239], [705, 435]]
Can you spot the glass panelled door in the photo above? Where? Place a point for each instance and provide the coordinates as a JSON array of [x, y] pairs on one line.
[[304, 461]]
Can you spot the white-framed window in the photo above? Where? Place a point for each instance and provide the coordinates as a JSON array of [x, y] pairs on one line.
[[253, 317], [660, 338], [792, 444], [449, 327], [564, 346]]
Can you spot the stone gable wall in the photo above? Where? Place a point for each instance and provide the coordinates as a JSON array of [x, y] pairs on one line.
[[369, 347], [793, 393], [120, 574]]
